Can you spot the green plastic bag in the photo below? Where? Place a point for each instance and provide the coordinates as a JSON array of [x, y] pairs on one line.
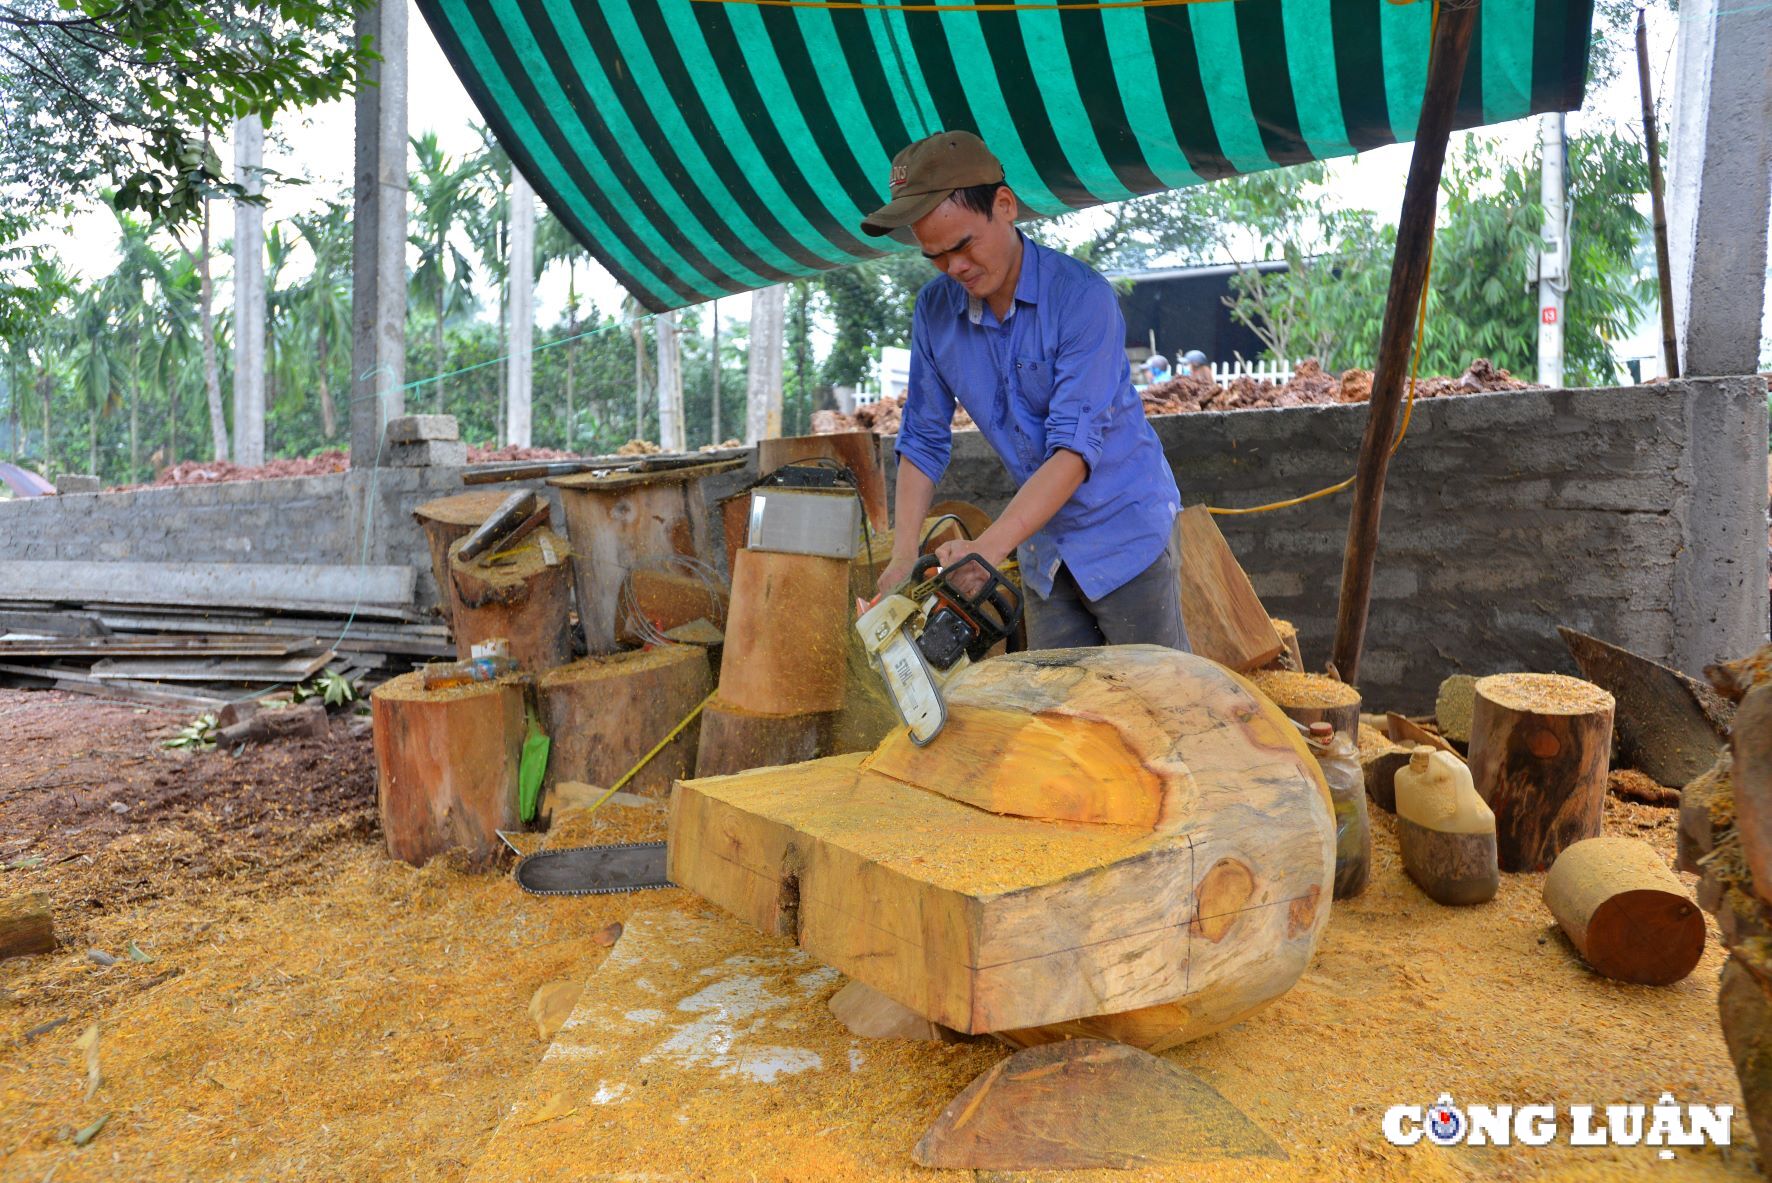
[[532, 769]]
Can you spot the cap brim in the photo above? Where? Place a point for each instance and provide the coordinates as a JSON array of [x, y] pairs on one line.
[[896, 215]]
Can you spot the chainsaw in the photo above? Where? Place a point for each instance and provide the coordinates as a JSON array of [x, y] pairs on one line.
[[921, 634]]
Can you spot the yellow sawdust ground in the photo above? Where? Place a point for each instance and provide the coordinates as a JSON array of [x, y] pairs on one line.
[[356, 1019]]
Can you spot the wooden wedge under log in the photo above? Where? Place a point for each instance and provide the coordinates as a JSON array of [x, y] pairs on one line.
[[447, 520], [870, 1014], [1625, 912], [1313, 698], [1224, 617], [602, 714], [1541, 745], [786, 650], [446, 765], [1205, 896], [734, 739], [523, 595]]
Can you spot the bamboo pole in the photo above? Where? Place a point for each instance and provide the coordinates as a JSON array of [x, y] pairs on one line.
[[1453, 25], [1670, 346]]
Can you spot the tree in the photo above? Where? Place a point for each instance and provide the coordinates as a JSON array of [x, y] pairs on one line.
[[218, 424], [131, 93], [323, 300], [442, 280]]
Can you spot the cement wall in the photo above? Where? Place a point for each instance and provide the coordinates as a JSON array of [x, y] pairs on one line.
[[1636, 514]]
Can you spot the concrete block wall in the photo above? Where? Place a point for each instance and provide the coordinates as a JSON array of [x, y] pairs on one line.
[[1637, 514]]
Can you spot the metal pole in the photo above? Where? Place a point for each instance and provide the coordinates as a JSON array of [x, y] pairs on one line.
[[715, 440], [1553, 252]]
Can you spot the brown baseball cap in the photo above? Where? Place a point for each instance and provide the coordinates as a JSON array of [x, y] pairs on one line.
[[927, 172]]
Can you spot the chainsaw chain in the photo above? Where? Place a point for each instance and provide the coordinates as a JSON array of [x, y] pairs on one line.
[[587, 890]]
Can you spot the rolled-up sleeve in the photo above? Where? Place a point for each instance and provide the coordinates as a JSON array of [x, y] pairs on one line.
[[925, 431], [1089, 368]]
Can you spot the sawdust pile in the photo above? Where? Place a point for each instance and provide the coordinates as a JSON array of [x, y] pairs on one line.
[[1310, 385]]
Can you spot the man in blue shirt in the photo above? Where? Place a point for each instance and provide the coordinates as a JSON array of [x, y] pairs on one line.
[[1031, 343]]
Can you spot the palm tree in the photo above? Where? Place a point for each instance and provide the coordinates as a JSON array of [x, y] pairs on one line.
[[555, 244], [441, 282], [97, 367], [130, 290], [176, 344], [324, 297]]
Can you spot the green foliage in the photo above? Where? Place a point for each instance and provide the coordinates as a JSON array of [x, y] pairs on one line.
[[331, 688], [196, 735]]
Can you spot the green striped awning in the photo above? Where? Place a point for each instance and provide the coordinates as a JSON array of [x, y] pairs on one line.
[[704, 147]]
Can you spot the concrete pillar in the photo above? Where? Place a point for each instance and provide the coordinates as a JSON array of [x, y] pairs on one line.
[[520, 371], [249, 295], [1553, 250], [671, 435], [769, 312], [1720, 184], [378, 236]]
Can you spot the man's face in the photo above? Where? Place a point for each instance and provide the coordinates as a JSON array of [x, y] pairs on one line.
[[977, 251]]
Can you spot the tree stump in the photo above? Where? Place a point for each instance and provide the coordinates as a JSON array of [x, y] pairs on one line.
[[1313, 698], [524, 596], [664, 599], [604, 713], [1744, 1007], [983, 904], [446, 766], [1624, 911], [620, 522], [26, 925], [1380, 758], [1750, 746], [447, 520], [786, 653], [1539, 753], [734, 739]]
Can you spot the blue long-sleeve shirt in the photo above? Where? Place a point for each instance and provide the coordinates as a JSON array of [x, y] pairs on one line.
[[1052, 374]]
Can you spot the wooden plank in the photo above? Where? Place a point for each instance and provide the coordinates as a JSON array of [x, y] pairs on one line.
[[147, 695], [77, 624], [1224, 617], [292, 669], [1669, 725], [218, 584], [1405, 731], [177, 646]]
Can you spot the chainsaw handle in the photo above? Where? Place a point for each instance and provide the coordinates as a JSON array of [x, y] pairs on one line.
[[998, 594]]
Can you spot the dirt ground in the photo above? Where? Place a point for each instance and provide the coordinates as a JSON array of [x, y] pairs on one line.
[[304, 1008]]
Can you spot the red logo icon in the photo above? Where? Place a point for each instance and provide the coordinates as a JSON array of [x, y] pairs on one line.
[[1548, 315]]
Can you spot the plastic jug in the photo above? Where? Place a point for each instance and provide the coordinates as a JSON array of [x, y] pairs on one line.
[[1446, 831], [1340, 762]]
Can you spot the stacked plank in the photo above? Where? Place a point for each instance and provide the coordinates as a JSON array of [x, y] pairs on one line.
[[199, 635]]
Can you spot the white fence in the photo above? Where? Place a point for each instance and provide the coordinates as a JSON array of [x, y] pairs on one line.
[[1265, 370]]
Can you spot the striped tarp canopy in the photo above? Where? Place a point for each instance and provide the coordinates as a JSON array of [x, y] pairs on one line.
[[704, 147]]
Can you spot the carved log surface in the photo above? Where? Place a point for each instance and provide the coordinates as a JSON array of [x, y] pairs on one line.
[[1209, 890]]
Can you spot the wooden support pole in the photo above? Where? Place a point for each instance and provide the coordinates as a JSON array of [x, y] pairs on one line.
[[1664, 273], [1415, 233]]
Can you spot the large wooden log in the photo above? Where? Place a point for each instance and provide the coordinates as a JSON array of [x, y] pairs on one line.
[[1210, 906], [1625, 912], [786, 652], [524, 597], [447, 520], [604, 713], [620, 522], [1744, 1008], [1750, 746], [1540, 749], [26, 925], [446, 766], [734, 739]]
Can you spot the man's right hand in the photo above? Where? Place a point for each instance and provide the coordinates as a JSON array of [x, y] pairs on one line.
[[896, 572]]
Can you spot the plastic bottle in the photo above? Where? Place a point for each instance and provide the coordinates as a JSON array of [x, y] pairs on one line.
[[1340, 762], [442, 675], [1446, 831]]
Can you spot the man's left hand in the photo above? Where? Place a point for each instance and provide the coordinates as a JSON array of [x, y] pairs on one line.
[[969, 579]]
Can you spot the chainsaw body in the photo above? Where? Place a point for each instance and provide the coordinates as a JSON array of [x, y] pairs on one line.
[[924, 632]]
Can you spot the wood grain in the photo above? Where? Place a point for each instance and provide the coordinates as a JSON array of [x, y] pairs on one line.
[[786, 634], [1625, 912], [604, 713], [1224, 617], [528, 603]]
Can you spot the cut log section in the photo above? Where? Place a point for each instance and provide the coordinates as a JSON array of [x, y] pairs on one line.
[[304, 720], [1380, 758], [603, 713], [1290, 657], [1751, 775], [523, 596], [1453, 705], [997, 922], [1669, 725], [1224, 617], [1088, 1103], [1744, 1006], [446, 766], [734, 739], [666, 599], [1313, 698], [446, 521], [859, 451], [1699, 824], [1625, 912], [868, 1013], [786, 652], [621, 522], [26, 925], [1541, 745]]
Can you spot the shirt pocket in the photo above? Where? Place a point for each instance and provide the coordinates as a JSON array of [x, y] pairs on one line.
[[1033, 375]]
